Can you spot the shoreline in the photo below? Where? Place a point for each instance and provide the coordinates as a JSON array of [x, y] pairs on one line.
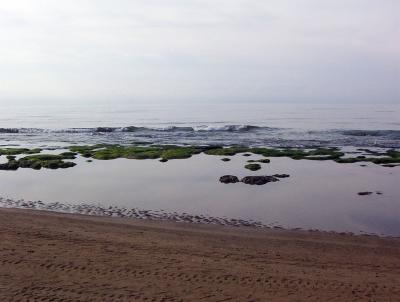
[[47, 255], [115, 212]]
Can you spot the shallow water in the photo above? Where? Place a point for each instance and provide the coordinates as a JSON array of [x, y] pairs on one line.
[[318, 194]]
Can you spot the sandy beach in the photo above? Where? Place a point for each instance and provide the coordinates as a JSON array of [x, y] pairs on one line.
[[62, 257]]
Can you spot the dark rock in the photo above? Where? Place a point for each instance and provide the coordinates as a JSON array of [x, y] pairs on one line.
[[258, 180], [225, 159], [364, 193], [163, 160], [253, 167], [281, 175], [247, 154], [227, 179], [263, 160], [11, 165]]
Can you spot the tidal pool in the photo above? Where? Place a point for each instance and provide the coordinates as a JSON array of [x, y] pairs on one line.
[[317, 195]]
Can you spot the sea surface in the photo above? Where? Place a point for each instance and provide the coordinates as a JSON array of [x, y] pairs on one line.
[[256, 124]]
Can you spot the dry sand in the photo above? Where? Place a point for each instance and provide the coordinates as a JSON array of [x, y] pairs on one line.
[[59, 257]]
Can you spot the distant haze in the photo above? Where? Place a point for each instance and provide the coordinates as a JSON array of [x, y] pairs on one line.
[[200, 50]]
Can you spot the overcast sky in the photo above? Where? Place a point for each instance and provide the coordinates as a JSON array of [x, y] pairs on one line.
[[191, 50]]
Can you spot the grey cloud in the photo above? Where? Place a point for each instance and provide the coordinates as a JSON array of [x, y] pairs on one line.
[[187, 50]]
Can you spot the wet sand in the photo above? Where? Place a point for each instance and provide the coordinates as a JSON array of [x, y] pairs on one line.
[[63, 257]]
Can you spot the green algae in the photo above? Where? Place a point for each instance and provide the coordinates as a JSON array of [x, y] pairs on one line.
[[231, 151], [19, 151], [108, 152], [168, 152], [317, 154], [388, 157], [179, 153], [36, 160], [86, 151]]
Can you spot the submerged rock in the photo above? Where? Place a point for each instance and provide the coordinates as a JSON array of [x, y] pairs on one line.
[[259, 180], [390, 165], [228, 179], [281, 175], [263, 160], [225, 159], [253, 167], [364, 193]]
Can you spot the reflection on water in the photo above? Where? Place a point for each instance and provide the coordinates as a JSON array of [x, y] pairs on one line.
[[318, 194]]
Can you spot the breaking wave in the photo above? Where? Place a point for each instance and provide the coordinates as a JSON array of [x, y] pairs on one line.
[[212, 134], [393, 134], [171, 128]]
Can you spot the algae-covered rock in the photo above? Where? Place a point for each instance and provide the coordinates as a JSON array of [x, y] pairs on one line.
[[11, 165], [178, 153], [253, 167], [68, 155], [226, 151], [18, 151], [228, 179], [264, 160], [49, 161], [258, 180]]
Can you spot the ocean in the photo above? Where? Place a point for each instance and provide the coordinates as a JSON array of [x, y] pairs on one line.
[[233, 123]]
